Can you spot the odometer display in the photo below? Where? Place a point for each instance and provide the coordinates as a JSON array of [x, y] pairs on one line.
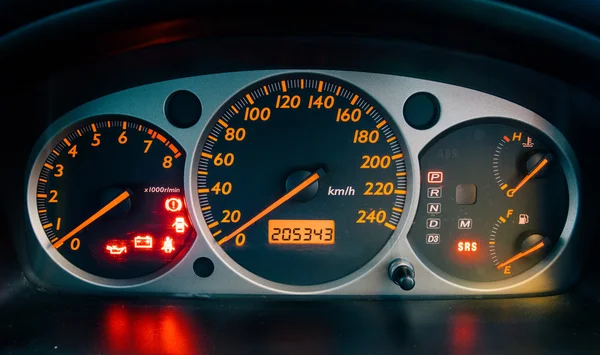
[[301, 147], [301, 231]]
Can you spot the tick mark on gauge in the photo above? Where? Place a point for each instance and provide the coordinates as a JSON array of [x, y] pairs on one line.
[[390, 226]]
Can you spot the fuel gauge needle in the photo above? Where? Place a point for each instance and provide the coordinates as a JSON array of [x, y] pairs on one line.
[[109, 206], [522, 254]]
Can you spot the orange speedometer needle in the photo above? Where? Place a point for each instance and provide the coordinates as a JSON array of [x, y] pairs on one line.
[[538, 167], [112, 204], [306, 183], [521, 254]]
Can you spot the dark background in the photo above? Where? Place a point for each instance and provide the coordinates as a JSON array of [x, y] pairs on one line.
[[55, 63]]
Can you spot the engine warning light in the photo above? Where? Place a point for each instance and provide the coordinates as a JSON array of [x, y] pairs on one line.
[[179, 225], [142, 242], [173, 204], [466, 247], [116, 250], [168, 245]]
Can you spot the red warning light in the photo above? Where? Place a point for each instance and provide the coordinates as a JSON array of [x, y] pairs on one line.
[[173, 204], [116, 250], [142, 242], [179, 225], [168, 245], [467, 247]]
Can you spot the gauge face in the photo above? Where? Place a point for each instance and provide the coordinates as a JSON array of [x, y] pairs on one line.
[[301, 179], [491, 212], [110, 198]]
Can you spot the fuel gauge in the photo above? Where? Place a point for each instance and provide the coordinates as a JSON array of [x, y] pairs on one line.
[[494, 201], [515, 246]]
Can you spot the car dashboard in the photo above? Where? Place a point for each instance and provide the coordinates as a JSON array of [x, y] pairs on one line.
[[175, 181]]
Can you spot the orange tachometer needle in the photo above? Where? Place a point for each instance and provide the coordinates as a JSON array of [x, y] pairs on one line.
[[306, 183], [521, 254], [539, 166], [112, 204]]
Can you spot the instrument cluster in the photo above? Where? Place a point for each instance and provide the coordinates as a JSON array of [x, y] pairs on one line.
[[296, 182]]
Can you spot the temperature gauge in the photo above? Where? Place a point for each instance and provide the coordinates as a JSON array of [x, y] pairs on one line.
[[494, 202]]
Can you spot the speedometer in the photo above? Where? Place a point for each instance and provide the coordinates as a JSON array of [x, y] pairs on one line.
[[302, 179]]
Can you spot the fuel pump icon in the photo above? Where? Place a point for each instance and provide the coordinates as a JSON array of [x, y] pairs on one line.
[[523, 218]]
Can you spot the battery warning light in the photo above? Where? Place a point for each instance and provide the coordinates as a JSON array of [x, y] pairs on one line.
[[168, 245], [173, 204], [142, 242]]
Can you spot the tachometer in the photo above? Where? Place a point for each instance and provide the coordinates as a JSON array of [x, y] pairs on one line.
[[110, 197], [302, 179]]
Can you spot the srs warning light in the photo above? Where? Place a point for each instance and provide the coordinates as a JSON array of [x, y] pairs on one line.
[[466, 246]]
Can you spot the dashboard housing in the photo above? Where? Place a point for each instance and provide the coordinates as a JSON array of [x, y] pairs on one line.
[[458, 105]]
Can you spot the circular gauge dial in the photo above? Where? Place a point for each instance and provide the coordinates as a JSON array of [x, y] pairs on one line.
[[494, 202], [110, 197], [301, 179]]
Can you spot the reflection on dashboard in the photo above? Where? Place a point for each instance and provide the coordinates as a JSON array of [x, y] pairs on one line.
[[303, 183]]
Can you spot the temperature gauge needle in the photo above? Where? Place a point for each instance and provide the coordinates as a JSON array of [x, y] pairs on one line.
[[522, 254], [538, 167], [109, 206], [306, 183]]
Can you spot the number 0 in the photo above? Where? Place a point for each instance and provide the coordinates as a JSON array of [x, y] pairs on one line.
[[240, 239], [75, 243]]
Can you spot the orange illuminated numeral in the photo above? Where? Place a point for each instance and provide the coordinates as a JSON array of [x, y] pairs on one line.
[[58, 220], [73, 151], [75, 243], [240, 239], [364, 136], [227, 160], [224, 188], [96, 140], [287, 101], [344, 115], [255, 113], [59, 170], [376, 161], [148, 144], [235, 134], [381, 189], [122, 138], [319, 102], [53, 197], [231, 216], [167, 162], [371, 217]]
